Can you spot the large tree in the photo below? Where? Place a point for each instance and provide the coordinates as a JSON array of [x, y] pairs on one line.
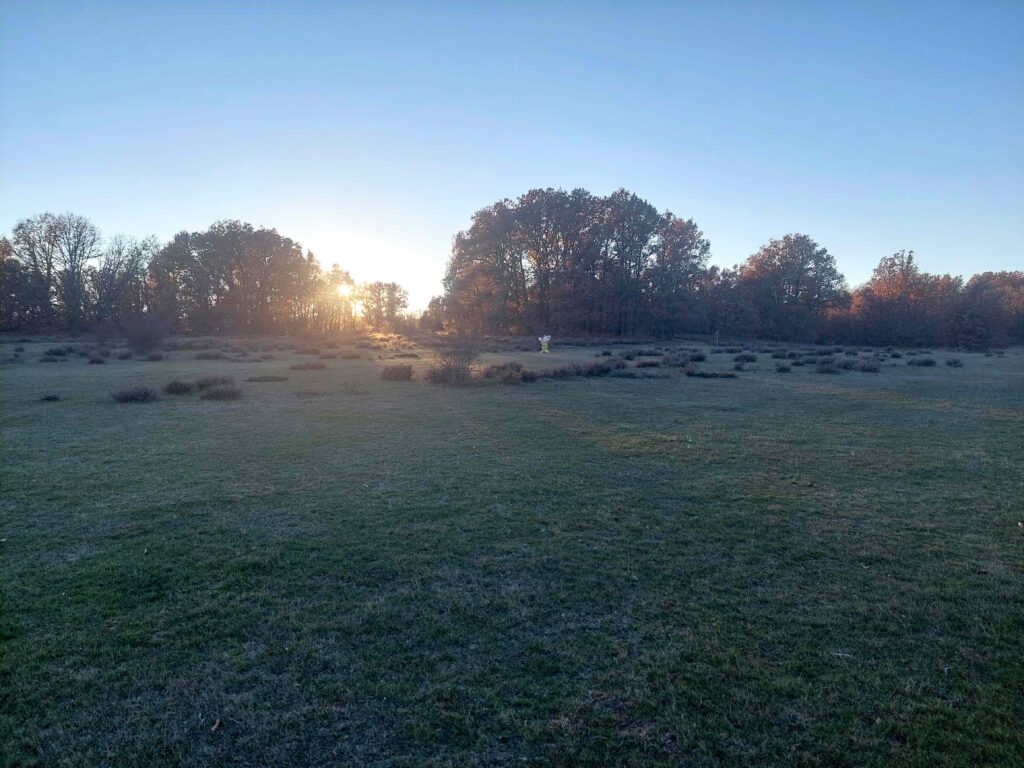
[[792, 283]]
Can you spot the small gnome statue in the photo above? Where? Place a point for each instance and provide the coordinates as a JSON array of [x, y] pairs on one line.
[[544, 343]]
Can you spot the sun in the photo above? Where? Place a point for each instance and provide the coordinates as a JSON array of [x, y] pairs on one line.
[[344, 290]]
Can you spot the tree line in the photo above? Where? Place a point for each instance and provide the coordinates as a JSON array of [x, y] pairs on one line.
[[58, 273], [574, 263], [551, 261]]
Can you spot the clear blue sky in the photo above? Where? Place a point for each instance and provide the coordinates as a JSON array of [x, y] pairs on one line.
[[371, 132]]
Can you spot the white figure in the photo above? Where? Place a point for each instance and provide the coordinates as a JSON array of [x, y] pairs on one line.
[[544, 343]]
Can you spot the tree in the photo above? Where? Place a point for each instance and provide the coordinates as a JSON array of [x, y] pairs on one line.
[[383, 304], [791, 283], [76, 241]]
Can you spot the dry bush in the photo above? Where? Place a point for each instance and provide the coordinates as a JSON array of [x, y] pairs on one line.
[[269, 378], [97, 360], [826, 366], [783, 368], [308, 367], [745, 357], [144, 332], [396, 373], [135, 395], [453, 364], [693, 372], [649, 364], [179, 388], [954, 362], [210, 356], [222, 393], [214, 381], [50, 397], [868, 366], [922, 362]]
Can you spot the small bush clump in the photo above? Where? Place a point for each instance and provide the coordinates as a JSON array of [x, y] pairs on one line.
[[97, 360], [698, 374], [783, 368], [179, 388], [135, 395], [267, 378], [868, 366], [214, 381], [210, 356], [222, 393], [922, 362], [745, 357], [826, 366], [396, 373], [954, 362], [50, 397], [649, 364], [308, 367]]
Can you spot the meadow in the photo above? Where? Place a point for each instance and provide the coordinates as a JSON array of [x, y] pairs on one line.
[[803, 567]]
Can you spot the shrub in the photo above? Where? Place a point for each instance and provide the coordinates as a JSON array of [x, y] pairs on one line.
[[954, 362], [135, 395], [826, 366], [308, 367], [56, 352], [606, 353], [308, 351], [649, 364], [779, 355], [500, 370], [222, 393], [328, 356], [746, 357], [454, 363], [896, 355], [868, 366], [845, 365], [50, 397], [124, 355], [406, 355], [527, 376], [214, 381], [783, 368], [96, 361], [154, 357], [798, 363], [922, 362], [179, 388], [144, 332], [352, 388], [350, 356], [694, 373], [738, 367], [698, 357], [210, 356], [396, 373], [733, 350], [261, 379], [52, 359], [649, 353]]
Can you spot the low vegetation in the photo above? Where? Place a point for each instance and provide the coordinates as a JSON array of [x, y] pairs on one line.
[[614, 565], [135, 395]]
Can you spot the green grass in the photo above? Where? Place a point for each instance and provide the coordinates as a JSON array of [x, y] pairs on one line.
[[772, 570]]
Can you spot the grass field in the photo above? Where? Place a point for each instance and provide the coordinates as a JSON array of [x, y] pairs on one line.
[[778, 569]]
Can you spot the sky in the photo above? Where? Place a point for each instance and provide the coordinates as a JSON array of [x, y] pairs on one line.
[[371, 132]]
